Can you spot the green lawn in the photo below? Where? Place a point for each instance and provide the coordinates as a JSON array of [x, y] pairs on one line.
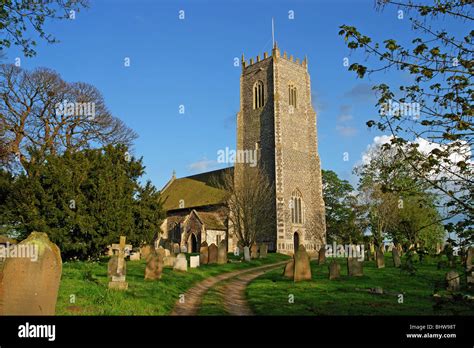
[[212, 301], [269, 294], [87, 282]]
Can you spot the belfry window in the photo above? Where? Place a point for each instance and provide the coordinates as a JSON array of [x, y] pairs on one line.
[[292, 95], [258, 95], [296, 206]]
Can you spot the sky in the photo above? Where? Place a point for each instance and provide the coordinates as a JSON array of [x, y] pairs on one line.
[[190, 62]]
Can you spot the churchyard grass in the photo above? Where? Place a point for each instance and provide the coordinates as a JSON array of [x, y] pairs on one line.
[[83, 289], [212, 301], [269, 294]]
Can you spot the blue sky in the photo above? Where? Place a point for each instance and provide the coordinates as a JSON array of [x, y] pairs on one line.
[[189, 62]]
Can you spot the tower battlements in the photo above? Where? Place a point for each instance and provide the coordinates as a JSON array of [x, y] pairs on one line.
[[274, 54]]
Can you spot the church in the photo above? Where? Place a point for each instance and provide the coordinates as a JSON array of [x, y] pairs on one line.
[[276, 119]]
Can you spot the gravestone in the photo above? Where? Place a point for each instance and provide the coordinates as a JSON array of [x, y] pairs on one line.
[[135, 256], [145, 251], [322, 255], [470, 281], [453, 281], [181, 264], [372, 251], [379, 258], [117, 265], [212, 254], [246, 253], [263, 251], [396, 257], [254, 251], [470, 258], [355, 268], [302, 265], [29, 285], [154, 266], [163, 252], [184, 249], [289, 271], [112, 267], [222, 253], [236, 251], [176, 248], [204, 254], [168, 261], [334, 270], [194, 261]]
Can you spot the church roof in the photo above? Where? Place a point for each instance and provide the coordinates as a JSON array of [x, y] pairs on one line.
[[195, 190], [212, 221]]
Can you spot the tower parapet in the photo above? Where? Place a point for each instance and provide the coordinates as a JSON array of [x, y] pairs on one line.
[[275, 55]]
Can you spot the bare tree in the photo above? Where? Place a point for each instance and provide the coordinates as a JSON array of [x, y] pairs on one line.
[[249, 199], [41, 112]]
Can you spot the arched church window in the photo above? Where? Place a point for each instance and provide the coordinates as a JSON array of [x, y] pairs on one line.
[[296, 207], [258, 95], [292, 95]]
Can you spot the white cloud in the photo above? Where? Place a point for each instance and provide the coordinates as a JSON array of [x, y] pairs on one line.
[[202, 165], [343, 126], [346, 131], [459, 153]]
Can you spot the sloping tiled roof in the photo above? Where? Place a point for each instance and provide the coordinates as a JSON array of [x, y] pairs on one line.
[[212, 221], [196, 190]]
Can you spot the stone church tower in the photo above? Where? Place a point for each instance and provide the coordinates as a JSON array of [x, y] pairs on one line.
[[277, 118]]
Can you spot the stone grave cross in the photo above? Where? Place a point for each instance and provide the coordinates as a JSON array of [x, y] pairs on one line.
[[118, 277]]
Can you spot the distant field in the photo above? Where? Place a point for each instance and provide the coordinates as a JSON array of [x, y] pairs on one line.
[[87, 282], [269, 294]]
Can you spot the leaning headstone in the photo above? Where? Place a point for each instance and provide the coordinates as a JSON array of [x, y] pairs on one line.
[[289, 271], [246, 253], [204, 254], [379, 258], [222, 253], [322, 255], [396, 257], [145, 251], [212, 254], [254, 251], [168, 261], [118, 269], [302, 265], [334, 270], [29, 285], [154, 266], [181, 264], [263, 250], [354, 267], [453, 281], [176, 248], [194, 261]]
